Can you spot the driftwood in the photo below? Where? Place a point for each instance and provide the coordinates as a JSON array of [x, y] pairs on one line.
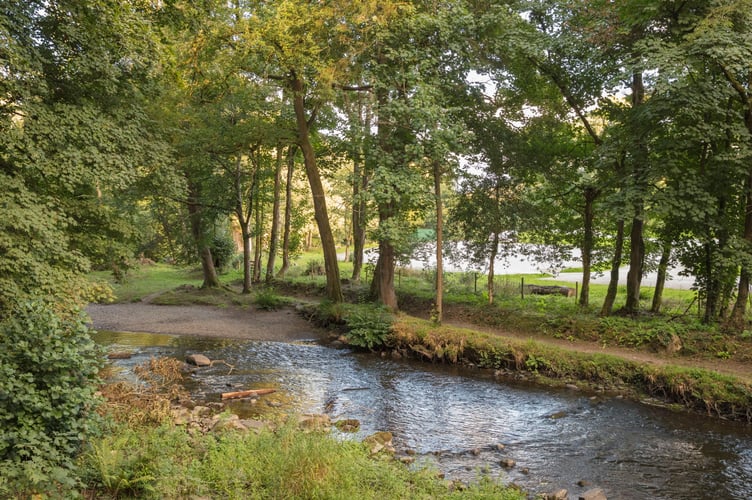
[[550, 290], [247, 394]]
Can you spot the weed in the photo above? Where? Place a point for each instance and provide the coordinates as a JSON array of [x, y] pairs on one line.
[[314, 268]]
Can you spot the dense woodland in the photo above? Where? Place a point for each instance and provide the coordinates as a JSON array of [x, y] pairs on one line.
[[617, 131], [142, 127]]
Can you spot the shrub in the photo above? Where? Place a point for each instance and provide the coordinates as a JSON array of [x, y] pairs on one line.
[[223, 251], [48, 374], [268, 300], [314, 268], [368, 326]]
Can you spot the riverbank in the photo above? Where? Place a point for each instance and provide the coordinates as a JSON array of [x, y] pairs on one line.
[[722, 390], [636, 375]]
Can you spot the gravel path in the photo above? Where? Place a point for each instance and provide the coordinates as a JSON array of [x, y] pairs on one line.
[[283, 325]]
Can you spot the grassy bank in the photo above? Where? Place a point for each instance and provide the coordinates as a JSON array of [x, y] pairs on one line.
[[148, 451], [696, 389], [169, 462]]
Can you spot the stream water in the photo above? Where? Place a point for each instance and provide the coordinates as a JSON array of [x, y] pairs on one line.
[[454, 418]]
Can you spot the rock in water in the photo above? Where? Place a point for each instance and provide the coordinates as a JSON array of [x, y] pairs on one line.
[[561, 494], [594, 494], [379, 441], [198, 360]]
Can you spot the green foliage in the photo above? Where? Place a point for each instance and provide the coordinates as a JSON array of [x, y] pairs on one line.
[[48, 377], [168, 462], [118, 465], [74, 141], [268, 300], [223, 251], [314, 268], [369, 326]]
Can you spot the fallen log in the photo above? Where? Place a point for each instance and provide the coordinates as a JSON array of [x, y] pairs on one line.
[[550, 290], [247, 394]]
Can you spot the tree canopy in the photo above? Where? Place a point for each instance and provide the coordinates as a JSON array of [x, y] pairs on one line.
[[621, 133]]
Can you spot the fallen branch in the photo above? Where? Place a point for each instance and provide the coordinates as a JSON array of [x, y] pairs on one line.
[[246, 394], [232, 367]]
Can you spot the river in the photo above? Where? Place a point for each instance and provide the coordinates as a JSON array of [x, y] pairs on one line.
[[455, 418]]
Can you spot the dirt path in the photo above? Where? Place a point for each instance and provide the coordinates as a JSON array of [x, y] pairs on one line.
[[283, 325]]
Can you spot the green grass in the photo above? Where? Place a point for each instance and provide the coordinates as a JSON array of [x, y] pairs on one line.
[[147, 280], [169, 462]]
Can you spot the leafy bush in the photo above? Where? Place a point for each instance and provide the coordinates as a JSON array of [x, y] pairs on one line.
[[48, 374], [369, 326], [314, 268], [223, 251]]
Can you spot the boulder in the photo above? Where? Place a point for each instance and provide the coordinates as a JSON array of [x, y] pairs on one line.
[[225, 422], [197, 360], [347, 425], [254, 425], [561, 494], [507, 463], [380, 441], [594, 494], [314, 422]]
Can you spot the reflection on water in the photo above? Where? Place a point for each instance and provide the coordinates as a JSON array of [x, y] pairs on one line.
[[456, 418]]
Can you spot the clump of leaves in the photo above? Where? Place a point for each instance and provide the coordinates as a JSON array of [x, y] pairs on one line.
[[48, 377], [368, 326]]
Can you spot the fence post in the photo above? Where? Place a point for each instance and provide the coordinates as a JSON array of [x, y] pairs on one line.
[[522, 287]]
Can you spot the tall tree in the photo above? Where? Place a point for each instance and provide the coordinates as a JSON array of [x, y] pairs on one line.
[[74, 139], [311, 49]]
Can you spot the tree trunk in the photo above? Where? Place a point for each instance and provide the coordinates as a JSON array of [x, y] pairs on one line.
[[360, 185], [712, 288], [358, 218], [244, 220], [246, 260], [587, 245], [382, 286], [613, 282], [492, 268], [207, 262], [660, 279], [331, 266], [288, 211], [742, 294], [636, 243], [634, 275], [439, 305], [274, 233], [259, 241]]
